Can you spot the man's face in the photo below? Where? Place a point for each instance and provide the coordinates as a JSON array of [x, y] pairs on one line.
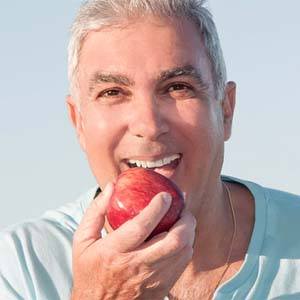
[[147, 98]]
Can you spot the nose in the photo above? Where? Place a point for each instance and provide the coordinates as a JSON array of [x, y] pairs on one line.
[[148, 120]]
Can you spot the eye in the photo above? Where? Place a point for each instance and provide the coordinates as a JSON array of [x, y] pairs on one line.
[[110, 93], [181, 91], [177, 87], [112, 96]]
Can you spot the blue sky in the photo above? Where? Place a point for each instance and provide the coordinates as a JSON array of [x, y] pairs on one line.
[[42, 165]]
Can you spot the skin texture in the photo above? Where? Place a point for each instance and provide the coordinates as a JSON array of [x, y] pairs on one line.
[[145, 114]]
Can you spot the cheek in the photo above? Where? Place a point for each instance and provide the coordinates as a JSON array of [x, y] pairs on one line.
[[199, 120], [102, 133], [101, 130], [202, 128]]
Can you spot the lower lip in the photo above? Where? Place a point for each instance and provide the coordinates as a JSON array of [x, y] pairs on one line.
[[168, 170]]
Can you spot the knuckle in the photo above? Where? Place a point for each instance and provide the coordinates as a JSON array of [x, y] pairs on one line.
[[119, 261], [176, 243]]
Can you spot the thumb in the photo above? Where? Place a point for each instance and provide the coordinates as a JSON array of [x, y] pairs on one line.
[[89, 229]]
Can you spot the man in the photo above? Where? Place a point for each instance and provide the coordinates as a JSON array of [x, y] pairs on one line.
[[148, 83]]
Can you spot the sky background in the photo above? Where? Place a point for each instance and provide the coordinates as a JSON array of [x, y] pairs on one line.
[[41, 164]]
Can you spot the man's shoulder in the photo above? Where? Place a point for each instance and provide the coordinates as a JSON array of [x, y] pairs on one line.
[[65, 217], [273, 196], [280, 204], [279, 210], [40, 249], [283, 198], [283, 211], [52, 224], [282, 220]]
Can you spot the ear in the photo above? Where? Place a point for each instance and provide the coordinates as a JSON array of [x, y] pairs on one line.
[[76, 120], [228, 105]]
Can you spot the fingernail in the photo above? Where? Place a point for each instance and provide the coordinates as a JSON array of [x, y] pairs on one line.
[[167, 198]]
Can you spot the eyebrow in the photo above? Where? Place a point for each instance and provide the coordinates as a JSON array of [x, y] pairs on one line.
[[187, 70], [120, 79], [100, 77]]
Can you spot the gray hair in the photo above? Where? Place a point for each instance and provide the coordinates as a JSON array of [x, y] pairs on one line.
[[97, 14]]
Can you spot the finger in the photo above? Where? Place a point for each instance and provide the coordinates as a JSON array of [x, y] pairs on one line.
[[134, 232], [89, 229], [178, 263], [181, 235], [155, 239]]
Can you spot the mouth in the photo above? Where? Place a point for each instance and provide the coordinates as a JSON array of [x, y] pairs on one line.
[[166, 165]]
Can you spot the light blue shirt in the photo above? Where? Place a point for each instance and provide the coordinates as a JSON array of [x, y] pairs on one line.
[[36, 256]]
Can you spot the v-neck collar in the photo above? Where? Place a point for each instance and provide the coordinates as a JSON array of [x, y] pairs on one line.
[[255, 245]]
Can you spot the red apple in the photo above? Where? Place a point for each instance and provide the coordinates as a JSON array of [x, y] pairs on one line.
[[133, 191]]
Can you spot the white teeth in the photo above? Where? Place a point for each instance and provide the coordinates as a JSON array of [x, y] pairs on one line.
[[154, 164], [151, 164]]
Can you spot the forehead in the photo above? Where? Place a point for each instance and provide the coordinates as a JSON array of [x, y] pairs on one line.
[[143, 49]]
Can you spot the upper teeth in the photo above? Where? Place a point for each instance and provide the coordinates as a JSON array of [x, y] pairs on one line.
[[154, 164]]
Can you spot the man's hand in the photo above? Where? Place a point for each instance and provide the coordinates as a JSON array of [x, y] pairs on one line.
[[121, 265]]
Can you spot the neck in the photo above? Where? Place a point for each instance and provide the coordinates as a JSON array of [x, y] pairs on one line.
[[214, 230], [210, 265]]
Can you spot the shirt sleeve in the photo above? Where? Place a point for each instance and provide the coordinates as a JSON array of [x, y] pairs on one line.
[[15, 282], [36, 255], [35, 262]]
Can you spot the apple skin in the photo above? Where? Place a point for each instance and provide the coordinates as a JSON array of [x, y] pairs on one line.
[[133, 191]]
